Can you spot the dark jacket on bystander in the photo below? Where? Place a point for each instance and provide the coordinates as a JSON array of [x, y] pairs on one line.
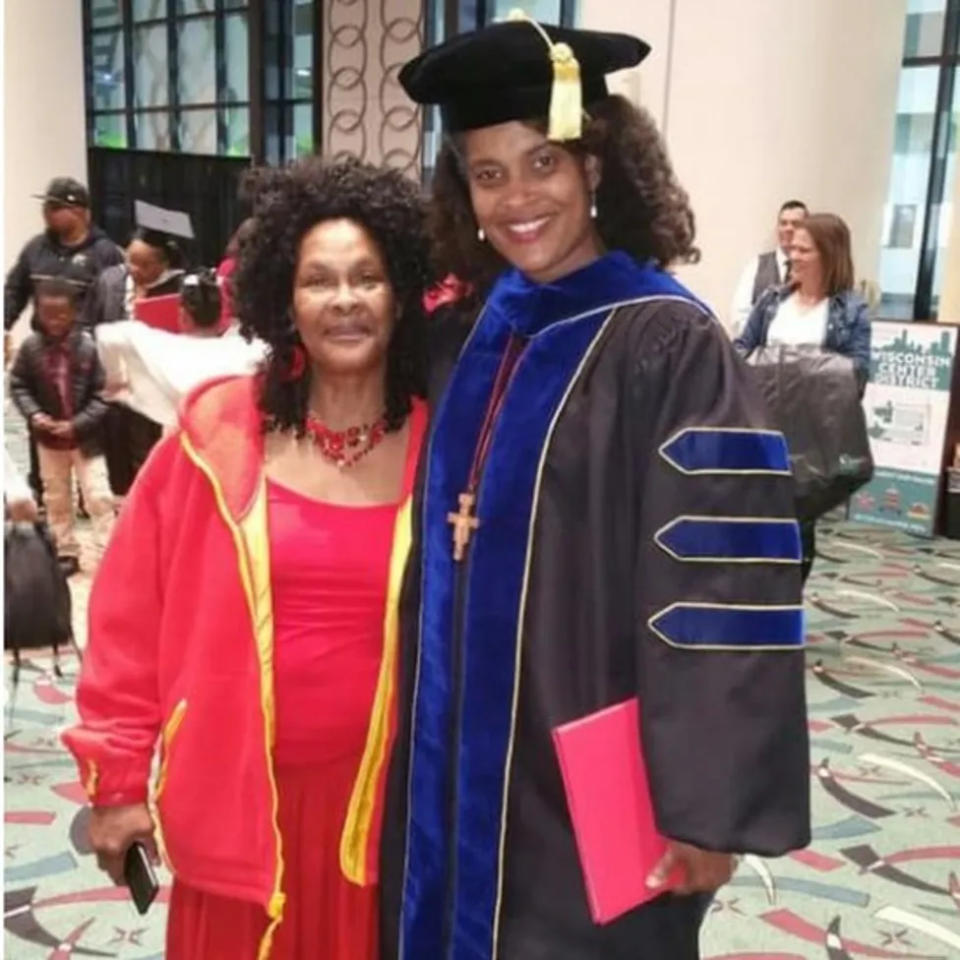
[[34, 388]]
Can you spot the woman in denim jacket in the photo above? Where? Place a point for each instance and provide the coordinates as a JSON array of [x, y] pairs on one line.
[[816, 307]]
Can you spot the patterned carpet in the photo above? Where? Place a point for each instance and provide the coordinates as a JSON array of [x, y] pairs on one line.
[[882, 878]]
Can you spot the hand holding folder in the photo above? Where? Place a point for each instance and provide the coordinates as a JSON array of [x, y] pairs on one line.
[[608, 794]]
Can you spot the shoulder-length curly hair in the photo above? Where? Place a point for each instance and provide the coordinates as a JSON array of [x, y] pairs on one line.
[[287, 203], [641, 207]]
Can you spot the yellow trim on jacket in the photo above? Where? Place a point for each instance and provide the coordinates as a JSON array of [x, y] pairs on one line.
[[251, 539], [355, 852]]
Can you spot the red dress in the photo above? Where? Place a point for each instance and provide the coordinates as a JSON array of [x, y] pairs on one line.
[[329, 569]]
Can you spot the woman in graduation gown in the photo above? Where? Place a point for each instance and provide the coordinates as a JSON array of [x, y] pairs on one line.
[[605, 520]]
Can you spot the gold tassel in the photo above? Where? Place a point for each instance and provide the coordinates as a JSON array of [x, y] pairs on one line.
[[566, 97], [565, 120]]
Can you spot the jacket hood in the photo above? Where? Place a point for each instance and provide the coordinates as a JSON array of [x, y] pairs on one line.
[[222, 430]]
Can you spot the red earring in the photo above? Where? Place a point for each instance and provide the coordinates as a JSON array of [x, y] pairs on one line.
[[297, 365]]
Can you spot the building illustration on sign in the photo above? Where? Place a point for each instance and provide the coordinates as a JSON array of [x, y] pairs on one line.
[[908, 362]]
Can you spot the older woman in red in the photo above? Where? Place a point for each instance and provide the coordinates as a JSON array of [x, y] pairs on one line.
[[245, 613]]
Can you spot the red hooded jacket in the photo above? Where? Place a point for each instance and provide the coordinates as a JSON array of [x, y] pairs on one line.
[[181, 652]]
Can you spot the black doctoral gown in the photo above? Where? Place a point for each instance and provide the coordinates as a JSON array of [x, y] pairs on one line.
[[636, 539]]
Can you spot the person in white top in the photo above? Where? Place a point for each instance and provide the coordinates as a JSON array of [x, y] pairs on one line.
[[819, 307], [152, 371], [767, 270]]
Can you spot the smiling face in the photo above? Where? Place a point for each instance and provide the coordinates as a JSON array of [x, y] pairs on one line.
[[787, 223], [531, 198], [146, 263], [55, 314], [806, 264], [343, 302]]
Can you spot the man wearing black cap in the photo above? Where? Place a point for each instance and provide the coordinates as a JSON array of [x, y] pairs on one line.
[[70, 245], [69, 239]]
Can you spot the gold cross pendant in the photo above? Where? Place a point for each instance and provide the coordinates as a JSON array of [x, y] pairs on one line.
[[464, 523]]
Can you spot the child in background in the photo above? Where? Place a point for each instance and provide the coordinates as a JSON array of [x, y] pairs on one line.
[[56, 382], [200, 305]]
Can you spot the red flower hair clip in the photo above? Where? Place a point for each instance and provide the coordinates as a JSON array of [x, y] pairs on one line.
[[449, 290]]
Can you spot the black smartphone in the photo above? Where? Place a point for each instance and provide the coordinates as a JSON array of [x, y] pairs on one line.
[[140, 878]]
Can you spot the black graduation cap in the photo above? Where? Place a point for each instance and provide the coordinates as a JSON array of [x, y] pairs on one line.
[[170, 224], [519, 70]]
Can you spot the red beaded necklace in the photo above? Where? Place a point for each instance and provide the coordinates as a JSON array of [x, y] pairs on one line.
[[345, 448]]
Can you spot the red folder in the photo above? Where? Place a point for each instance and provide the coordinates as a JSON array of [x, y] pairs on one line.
[[608, 795], [160, 312]]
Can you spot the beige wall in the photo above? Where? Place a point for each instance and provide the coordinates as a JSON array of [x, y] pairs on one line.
[[44, 131], [366, 113], [764, 100]]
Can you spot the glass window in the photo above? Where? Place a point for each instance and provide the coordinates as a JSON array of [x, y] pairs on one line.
[[105, 13], [297, 138], [149, 10], [109, 81], [198, 131], [918, 90], [197, 61], [186, 7], [302, 130], [237, 123], [271, 55], [237, 56], [903, 226], [544, 11], [153, 130], [150, 78], [914, 133], [909, 180], [300, 78], [110, 130], [467, 15], [924, 31], [946, 208], [273, 148], [287, 83], [436, 29]]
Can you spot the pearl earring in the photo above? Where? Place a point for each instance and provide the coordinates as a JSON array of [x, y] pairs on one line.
[[593, 207], [481, 235]]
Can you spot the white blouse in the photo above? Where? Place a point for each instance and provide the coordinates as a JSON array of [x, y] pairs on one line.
[[796, 325]]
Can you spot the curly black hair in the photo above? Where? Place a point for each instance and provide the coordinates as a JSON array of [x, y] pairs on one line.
[[641, 207], [287, 203]]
